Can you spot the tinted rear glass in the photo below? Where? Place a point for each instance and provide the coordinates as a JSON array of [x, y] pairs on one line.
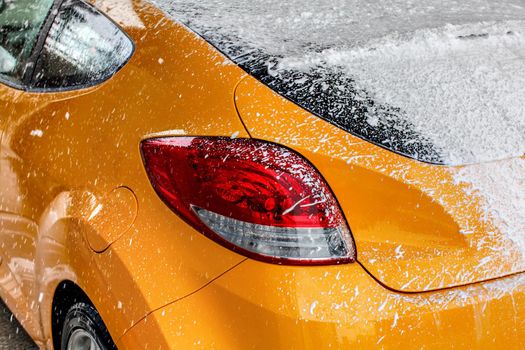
[[440, 81]]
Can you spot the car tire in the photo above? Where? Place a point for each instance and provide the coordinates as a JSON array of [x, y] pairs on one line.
[[84, 330]]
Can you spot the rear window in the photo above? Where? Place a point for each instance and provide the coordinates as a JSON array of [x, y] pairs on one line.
[[440, 81]]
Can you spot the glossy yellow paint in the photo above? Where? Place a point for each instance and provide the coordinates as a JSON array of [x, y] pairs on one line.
[[76, 205], [65, 154], [416, 226], [260, 306]]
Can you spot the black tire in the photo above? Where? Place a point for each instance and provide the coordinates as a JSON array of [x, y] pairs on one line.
[[84, 319]]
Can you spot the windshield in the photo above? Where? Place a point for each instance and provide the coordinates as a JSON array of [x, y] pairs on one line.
[[440, 81]]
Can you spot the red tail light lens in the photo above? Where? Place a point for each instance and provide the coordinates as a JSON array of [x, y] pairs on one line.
[[256, 198]]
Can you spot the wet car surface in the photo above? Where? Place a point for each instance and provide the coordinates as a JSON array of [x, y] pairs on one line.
[[183, 195]]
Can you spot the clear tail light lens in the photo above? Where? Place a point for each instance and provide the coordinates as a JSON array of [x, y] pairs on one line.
[[254, 197]]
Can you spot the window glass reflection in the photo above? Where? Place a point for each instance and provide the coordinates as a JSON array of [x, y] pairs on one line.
[[83, 47], [20, 25]]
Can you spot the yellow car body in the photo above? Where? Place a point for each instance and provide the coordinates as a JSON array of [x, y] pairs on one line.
[[79, 218]]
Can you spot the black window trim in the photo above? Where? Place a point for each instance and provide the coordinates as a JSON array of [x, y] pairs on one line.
[[29, 75]]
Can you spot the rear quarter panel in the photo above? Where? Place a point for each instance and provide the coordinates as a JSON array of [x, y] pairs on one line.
[[69, 151]]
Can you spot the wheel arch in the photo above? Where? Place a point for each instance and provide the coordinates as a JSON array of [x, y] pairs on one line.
[[67, 269], [67, 294]]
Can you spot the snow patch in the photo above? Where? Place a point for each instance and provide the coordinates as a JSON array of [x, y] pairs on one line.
[[451, 71], [502, 204], [36, 133]]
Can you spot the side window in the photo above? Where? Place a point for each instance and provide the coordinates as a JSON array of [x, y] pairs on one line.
[[20, 25], [83, 48]]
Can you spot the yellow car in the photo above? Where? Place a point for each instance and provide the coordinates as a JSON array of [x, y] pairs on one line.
[[266, 175]]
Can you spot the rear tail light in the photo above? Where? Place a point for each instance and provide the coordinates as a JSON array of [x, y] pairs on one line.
[[256, 198]]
